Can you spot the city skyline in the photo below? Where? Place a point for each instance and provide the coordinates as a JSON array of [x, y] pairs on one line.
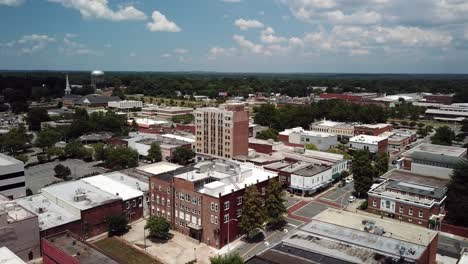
[[369, 36]]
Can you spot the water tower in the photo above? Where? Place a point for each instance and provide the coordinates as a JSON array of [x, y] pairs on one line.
[[97, 77]]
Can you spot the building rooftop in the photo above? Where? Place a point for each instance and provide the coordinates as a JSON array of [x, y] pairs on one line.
[[300, 130], [329, 123], [366, 139], [415, 178], [187, 138], [113, 186], [49, 214], [8, 257], [310, 170], [83, 252], [393, 229], [128, 180], [79, 194], [15, 212], [159, 167], [6, 160], [374, 126], [436, 149]]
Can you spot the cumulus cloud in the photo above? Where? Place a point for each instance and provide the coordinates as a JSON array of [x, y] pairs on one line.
[[11, 2], [166, 55], [161, 23], [71, 47], [216, 52], [268, 36], [247, 45], [100, 9], [245, 24], [28, 44]]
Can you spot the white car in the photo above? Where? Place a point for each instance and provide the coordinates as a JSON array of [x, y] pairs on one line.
[[348, 180], [351, 199]]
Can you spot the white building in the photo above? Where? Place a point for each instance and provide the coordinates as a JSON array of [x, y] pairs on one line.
[[12, 179], [373, 144], [308, 178], [299, 136], [8, 257], [338, 128], [125, 104], [454, 112]]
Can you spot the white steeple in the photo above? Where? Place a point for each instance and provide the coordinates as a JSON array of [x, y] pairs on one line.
[[67, 87]]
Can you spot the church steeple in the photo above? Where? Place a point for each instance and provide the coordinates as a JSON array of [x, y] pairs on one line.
[[67, 87]]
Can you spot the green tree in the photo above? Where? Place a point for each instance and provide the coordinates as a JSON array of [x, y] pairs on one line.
[[381, 164], [117, 225], [23, 158], [443, 136], [457, 195], [275, 204], [231, 258], [119, 158], [134, 127], [460, 137], [73, 149], [46, 138], [61, 171], [35, 117], [421, 125], [183, 119], [14, 140], [265, 115], [59, 104], [183, 156], [154, 153], [158, 227], [422, 132], [269, 133], [55, 152], [253, 213], [363, 172], [310, 146], [99, 151]]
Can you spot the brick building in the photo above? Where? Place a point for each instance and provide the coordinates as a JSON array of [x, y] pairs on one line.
[[372, 129], [409, 197], [222, 132], [204, 201], [438, 98]]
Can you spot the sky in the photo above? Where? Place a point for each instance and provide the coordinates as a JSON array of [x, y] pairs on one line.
[[339, 36]]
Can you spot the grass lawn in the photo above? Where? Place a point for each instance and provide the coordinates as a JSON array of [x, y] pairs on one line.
[[124, 253]]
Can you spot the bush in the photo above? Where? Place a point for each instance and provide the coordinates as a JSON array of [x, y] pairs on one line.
[[22, 158], [118, 225], [158, 227], [364, 205], [61, 171], [42, 158]]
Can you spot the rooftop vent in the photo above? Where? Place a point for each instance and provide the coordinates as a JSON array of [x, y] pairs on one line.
[[79, 197]]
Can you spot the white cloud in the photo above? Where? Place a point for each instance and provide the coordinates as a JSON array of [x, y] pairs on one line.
[[358, 18], [358, 52], [244, 24], [161, 23], [181, 51], [30, 43], [166, 55], [268, 36], [411, 36], [11, 2], [296, 42], [216, 52], [184, 59], [71, 47], [132, 54], [247, 45], [100, 9]]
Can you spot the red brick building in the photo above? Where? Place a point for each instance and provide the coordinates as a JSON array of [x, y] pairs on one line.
[[439, 98], [409, 197], [372, 129], [205, 201]]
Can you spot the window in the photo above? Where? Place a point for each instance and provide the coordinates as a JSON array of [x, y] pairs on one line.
[[239, 200], [387, 204], [152, 185], [157, 199], [216, 220], [159, 187], [181, 196], [212, 206], [163, 201], [226, 218], [176, 213], [420, 213], [168, 189], [152, 197], [128, 205], [168, 202], [216, 207], [199, 200], [401, 209], [239, 213], [374, 203], [226, 205], [410, 211], [134, 203], [194, 200], [212, 219], [263, 190]]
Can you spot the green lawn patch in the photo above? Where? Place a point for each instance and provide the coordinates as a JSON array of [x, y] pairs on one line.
[[123, 252]]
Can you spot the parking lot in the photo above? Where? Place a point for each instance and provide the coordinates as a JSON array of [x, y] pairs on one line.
[[311, 209], [339, 195], [43, 174]]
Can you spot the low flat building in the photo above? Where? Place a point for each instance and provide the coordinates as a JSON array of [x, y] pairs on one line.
[[373, 144], [166, 112], [255, 129], [409, 197], [342, 130], [53, 219], [308, 178], [142, 144], [433, 160], [372, 129], [86, 201], [95, 100], [450, 113], [65, 248], [400, 138], [148, 122], [12, 179], [8, 257], [125, 104], [19, 229], [300, 137]]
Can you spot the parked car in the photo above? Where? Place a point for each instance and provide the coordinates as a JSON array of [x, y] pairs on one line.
[[349, 180], [351, 199]]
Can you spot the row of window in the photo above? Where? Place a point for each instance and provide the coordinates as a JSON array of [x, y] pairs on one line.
[[133, 203], [162, 201], [168, 189], [401, 209], [188, 198]]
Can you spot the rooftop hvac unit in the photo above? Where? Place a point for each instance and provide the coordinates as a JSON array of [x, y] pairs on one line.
[[79, 197]]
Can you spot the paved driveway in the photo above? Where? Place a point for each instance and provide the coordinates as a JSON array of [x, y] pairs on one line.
[[312, 209]]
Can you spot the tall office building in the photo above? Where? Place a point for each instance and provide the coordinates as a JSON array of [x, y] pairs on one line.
[[12, 179], [222, 132]]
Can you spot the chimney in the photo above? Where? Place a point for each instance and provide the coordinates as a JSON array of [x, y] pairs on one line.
[[219, 194]]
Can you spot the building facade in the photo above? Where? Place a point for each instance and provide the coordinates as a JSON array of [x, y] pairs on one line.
[[222, 132], [125, 104], [300, 137], [372, 130], [12, 179], [342, 130], [409, 197], [373, 144]]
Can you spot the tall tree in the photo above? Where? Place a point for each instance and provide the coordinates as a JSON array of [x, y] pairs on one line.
[[443, 136], [464, 127], [457, 195], [14, 140], [117, 225], [363, 172], [35, 117], [183, 156], [154, 153], [275, 204], [46, 138], [253, 213], [119, 158], [269, 133], [381, 163], [158, 227]]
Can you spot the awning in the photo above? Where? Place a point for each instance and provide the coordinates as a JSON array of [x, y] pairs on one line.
[[194, 226]]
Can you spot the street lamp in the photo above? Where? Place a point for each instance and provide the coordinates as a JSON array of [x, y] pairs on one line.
[[228, 223]]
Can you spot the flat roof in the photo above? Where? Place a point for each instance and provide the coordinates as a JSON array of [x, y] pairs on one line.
[[15, 211], [159, 167], [394, 229], [113, 186], [6, 160], [437, 149], [367, 139], [311, 170], [415, 178], [127, 180], [8, 257], [83, 252], [49, 214], [373, 126], [67, 191]]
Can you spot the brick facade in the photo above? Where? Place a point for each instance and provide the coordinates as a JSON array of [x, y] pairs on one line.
[[371, 131], [94, 220]]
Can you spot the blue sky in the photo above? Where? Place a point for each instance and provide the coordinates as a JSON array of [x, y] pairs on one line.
[[394, 36]]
